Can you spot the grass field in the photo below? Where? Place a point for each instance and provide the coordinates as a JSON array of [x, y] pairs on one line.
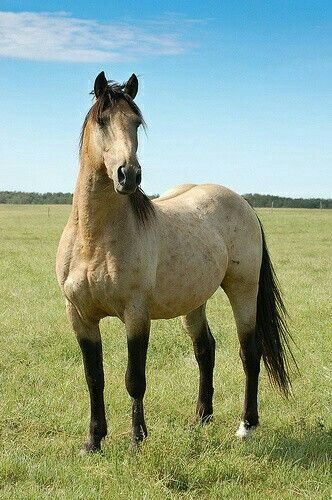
[[44, 403]]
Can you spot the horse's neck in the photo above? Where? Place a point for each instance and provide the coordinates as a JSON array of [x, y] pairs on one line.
[[96, 205]]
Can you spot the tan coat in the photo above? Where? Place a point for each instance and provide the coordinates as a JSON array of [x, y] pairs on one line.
[[198, 239], [123, 255]]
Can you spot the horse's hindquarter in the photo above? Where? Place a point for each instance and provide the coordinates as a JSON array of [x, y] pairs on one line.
[[207, 234]]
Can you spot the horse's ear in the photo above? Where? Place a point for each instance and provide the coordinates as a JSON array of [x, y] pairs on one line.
[[100, 85], [131, 86]]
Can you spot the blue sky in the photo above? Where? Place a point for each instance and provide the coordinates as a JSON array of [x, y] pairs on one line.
[[233, 92]]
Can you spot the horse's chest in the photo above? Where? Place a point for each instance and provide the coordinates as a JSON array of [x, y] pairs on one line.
[[92, 290]]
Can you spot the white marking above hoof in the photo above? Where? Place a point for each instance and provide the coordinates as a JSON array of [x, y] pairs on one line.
[[244, 430]]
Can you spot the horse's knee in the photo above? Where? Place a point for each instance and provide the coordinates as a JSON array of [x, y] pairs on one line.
[[135, 373]]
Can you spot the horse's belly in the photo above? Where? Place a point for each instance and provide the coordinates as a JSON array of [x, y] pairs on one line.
[[188, 280], [181, 302]]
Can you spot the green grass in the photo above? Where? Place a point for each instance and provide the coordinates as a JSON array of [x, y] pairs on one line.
[[44, 404]]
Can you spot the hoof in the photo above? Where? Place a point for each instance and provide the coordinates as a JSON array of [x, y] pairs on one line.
[[204, 413], [134, 447], [245, 430], [139, 436], [206, 419], [89, 447], [136, 444]]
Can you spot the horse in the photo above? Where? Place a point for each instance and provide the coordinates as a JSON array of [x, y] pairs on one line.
[[123, 255]]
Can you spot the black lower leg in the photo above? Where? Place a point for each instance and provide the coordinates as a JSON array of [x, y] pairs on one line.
[[93, 367], [204, 348], [136, 383], [250, 353]]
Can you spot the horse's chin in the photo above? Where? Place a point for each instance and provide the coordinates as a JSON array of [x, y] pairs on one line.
[[125, 191]]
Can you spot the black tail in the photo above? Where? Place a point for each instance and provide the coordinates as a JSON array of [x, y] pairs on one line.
[[271, 325]]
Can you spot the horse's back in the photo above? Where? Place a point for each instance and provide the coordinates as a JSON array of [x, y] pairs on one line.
[[215, 204], [205, 199]]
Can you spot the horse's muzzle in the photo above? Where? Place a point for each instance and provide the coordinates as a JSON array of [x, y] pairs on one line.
[[128, 179]]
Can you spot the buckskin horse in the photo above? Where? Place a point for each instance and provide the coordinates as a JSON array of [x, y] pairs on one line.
[[123, 255]]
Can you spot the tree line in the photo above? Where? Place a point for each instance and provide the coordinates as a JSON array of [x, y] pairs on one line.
[[256, 200], [22, 198], [267, 200]]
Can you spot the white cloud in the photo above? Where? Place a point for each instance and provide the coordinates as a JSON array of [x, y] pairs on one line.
[[60, 37]]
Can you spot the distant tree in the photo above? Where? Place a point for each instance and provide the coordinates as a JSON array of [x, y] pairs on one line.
[[22, 198], [266, 200]]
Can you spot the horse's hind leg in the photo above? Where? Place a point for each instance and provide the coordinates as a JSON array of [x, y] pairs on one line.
[[88, 336], [243, 300], [204, 347]]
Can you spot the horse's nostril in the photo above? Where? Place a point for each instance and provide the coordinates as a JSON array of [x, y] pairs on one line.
[[121, 175], [138, 178]]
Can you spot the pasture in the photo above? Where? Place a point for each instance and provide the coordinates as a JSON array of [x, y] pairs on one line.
[[44, 401]]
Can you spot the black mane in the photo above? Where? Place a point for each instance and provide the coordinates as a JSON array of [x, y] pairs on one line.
[[142, 206]]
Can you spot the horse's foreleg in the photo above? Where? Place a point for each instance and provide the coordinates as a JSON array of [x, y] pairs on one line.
[[137, 343], [204, 349], [88, 336]]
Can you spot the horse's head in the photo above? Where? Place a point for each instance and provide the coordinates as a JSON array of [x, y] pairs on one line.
[[109, 133]]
